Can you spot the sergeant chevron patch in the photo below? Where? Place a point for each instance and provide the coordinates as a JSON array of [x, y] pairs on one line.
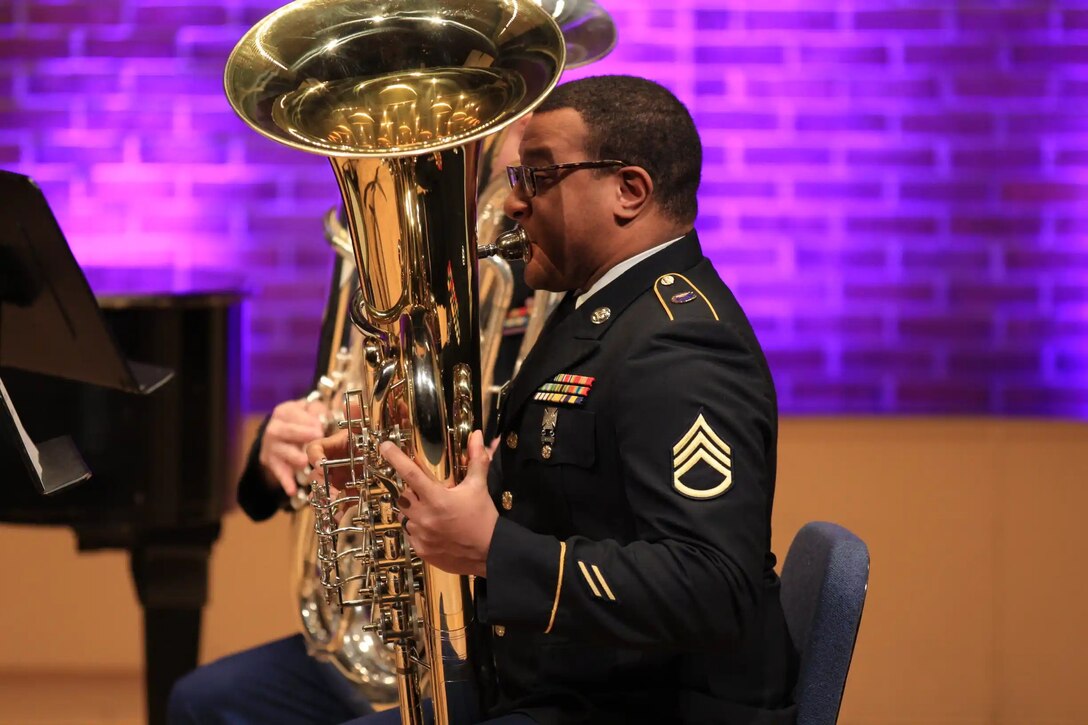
[[701, 443]]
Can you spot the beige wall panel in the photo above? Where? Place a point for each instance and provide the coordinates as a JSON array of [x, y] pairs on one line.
[[63, 609], [926, 516], [252, 601], [976, 604], [1041, 594]]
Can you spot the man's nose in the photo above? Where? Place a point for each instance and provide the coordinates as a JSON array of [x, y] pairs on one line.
[[516, 206]]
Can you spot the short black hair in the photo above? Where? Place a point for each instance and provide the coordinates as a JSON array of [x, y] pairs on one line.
[[641, 122]]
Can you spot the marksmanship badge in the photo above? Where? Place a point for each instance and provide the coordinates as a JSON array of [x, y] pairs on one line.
[[547, 431]]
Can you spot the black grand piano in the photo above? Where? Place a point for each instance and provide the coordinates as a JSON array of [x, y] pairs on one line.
[[158, 439]]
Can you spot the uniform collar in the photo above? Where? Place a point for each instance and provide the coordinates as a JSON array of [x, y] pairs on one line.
[[677, 256], [618, 270]]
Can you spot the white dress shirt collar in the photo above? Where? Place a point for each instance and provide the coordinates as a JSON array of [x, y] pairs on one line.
[[619, 269]]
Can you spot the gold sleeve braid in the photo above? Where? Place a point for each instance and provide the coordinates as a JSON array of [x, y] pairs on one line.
[[558, 585]]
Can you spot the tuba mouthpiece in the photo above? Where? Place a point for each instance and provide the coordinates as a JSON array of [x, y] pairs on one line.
[[512, 245]]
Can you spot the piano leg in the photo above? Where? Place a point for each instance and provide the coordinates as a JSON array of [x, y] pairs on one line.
[[171, 649], [172, 583]]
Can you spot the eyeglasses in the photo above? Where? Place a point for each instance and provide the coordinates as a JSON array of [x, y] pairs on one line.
[[526, 175]]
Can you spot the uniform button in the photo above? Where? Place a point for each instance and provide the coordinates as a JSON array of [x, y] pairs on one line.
[[668, 279], [512, 440], [500, 630], [507, 500]]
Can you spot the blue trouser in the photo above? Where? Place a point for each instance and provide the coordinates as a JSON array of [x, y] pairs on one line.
[[274, 684], [392, 717]]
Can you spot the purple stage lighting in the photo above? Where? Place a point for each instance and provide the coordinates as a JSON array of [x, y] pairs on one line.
[[896, 192]]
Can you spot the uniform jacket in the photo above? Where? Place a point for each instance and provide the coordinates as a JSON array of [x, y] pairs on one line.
[[630, 576]]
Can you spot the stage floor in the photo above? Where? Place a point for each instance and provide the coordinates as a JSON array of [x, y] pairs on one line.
[[71, 698]]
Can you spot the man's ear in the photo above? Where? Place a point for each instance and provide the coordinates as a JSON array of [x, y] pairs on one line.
[[633, 193]]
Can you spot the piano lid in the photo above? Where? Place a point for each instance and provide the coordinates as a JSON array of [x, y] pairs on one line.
[[121, 287]]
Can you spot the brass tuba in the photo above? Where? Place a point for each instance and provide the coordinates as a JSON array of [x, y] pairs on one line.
[[398, 95], [337, 635]]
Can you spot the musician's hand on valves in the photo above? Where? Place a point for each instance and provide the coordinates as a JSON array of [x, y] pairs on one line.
[[293, 424], [333, 447], [449, 526]]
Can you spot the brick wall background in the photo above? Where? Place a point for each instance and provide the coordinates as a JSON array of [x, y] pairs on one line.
[[895, 189]]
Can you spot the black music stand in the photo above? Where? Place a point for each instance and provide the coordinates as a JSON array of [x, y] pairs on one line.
[[51, 465], [50, 324]]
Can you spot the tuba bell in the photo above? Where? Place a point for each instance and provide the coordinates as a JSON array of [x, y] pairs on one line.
[[399, 94]]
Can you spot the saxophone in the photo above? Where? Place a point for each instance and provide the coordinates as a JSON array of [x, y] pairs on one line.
[[398, 94]]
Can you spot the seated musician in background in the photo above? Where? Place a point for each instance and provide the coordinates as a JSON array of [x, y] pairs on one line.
[[278, 682], [621, 533]]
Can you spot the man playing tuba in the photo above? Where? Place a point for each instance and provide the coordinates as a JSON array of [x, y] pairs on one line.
[[620, 536]]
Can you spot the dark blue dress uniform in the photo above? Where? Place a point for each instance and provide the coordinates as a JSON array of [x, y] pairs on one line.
[[630, 576]]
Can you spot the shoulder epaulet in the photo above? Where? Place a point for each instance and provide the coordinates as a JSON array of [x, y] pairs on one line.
[[681, 299]]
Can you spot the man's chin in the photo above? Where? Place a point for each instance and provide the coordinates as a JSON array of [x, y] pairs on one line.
[[537, 280]]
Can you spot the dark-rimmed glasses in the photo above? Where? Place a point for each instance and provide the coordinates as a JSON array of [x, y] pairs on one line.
[[526, 175]]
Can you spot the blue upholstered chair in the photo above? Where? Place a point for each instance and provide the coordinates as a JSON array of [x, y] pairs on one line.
[[824, 579]]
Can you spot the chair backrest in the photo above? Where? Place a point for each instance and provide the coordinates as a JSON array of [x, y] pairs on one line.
[[824, 579]]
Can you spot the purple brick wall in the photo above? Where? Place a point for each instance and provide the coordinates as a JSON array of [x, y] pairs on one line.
[[897, 191]]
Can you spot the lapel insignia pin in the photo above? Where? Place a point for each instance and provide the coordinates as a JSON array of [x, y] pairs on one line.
[[684, 297], [701, 443], [600, 315], [547, 431]]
